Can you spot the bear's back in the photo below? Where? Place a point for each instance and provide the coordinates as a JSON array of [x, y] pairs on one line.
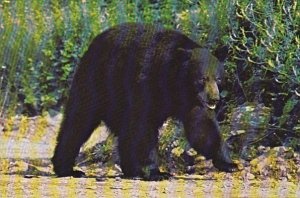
[[130, 53], [138, 45], [135, 35]]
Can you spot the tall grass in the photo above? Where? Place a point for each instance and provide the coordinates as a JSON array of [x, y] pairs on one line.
[[42, 42]]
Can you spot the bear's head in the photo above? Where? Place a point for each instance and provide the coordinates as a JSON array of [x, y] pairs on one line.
[[205, 74]]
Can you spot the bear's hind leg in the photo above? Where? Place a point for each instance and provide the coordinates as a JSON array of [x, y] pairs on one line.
[[138, 150], [77, 126], [129, 153], [137, 138], [149, 157]]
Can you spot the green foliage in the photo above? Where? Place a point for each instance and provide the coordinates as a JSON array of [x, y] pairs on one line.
[[102, 152], [289, 105], [42, 42], [264, 37], [172, 146], [173, 133]]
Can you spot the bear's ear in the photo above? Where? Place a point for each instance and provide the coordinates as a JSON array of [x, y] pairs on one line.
[[184, 54], [222, 53]]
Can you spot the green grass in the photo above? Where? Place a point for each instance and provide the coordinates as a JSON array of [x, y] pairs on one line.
[[42, 42]]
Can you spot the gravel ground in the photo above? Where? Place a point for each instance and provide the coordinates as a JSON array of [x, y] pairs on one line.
[[26, 171], [47, 186]]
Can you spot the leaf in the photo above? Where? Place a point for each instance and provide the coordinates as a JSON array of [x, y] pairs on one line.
[[177, 151], [224, 93], [271, 63]]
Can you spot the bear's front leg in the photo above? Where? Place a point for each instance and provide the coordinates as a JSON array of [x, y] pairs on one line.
[[222, 160], [203, 134]]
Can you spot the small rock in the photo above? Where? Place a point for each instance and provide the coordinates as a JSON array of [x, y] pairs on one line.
[[250, 176], [92, 187], [289, 177], [191, 152], [237, 132], [265, 172], [118, 178], [30, 176], [100, 179], [280, 160], [283, 171], [261, 149], [118, 168]]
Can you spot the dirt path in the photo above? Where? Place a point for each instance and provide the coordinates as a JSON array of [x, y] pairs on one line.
[[26, 174], [18, 186], [26, 171]]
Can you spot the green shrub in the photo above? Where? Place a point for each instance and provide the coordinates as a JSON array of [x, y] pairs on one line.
[[42, 42]]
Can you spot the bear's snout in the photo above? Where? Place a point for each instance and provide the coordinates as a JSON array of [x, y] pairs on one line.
[[210, 96]]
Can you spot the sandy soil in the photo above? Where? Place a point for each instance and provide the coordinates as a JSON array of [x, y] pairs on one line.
[[26, 171]]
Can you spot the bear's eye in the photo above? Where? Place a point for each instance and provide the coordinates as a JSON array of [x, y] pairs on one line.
[[202, 80]]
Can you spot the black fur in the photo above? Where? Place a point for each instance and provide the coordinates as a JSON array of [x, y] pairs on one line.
[[133, 77]]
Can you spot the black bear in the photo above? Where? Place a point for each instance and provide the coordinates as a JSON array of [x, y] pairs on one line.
[[133, 77]]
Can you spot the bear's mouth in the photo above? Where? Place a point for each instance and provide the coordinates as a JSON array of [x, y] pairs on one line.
[[211, 105]]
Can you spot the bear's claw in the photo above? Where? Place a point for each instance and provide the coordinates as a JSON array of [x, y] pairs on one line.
[[73, 173], [225, 166], [158, 176]]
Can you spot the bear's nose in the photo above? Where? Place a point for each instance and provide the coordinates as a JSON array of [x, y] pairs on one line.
[[213, 98], [213, 101], [212, 91]]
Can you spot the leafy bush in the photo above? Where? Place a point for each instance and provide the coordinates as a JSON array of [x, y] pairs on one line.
[[41, 44], [264, 40]]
